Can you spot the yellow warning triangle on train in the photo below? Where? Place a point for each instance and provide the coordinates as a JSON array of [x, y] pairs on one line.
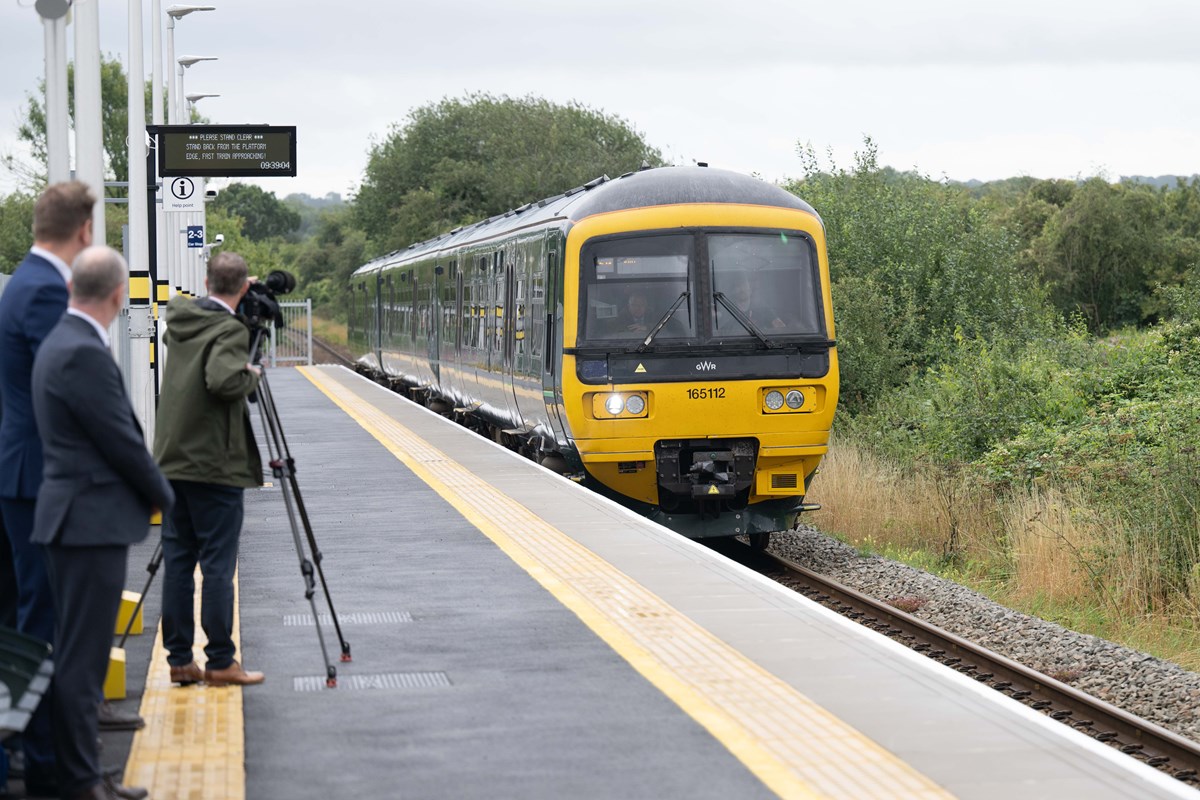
[[713, 489], [640, 368]]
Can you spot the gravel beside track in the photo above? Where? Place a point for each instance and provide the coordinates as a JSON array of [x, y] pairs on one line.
[[1140, 684]]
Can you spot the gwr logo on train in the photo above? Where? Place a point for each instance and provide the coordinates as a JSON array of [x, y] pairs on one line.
[[688, 269]]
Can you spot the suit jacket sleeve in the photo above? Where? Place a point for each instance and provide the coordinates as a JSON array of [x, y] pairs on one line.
[[105, 414]]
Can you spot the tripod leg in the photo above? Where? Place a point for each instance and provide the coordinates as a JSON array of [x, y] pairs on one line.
[[272, 431], [152, 568], [289, 463]]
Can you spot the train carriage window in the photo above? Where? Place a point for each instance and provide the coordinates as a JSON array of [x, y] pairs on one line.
[[521, 303], [631, 283], [770, 278]]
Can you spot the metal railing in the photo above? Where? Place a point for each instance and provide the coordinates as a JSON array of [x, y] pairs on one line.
[[292, 344]]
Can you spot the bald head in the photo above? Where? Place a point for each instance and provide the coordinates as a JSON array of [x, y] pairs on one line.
[[96, 274], [227, 274]]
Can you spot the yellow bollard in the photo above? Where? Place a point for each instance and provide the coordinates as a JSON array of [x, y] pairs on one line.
[[114, 679], [129, 601]]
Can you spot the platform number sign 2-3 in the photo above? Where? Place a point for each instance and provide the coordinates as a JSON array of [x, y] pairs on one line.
[[195, 234]]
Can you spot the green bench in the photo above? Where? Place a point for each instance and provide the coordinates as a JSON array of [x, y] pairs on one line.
[[25, 672]]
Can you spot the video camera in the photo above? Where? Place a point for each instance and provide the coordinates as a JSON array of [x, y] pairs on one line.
[[259, 307]]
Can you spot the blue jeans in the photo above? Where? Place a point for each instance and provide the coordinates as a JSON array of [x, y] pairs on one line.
[[204, 527]]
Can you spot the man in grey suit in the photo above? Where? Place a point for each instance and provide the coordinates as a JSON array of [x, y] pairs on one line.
[[99, 488]]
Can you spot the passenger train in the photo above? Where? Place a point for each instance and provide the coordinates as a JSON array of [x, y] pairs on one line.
[[665, 338]]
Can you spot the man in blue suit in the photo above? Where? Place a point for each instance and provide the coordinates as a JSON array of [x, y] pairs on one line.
[[99, 489], [34, 300]]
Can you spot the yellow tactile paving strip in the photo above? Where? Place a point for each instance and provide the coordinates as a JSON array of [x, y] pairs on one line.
[[794, 746], [193, 745]]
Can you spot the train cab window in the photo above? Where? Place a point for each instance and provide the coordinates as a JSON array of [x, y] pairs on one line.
[[632, 283], [771, 279]]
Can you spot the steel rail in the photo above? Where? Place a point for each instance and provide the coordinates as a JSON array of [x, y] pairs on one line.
[[1132, 735]]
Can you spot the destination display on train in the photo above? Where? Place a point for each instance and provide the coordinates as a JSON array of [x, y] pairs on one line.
[[225, 151]]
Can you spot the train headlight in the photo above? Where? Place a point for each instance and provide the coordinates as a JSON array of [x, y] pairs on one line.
[[794, 399], [774, 400], [619, 405]]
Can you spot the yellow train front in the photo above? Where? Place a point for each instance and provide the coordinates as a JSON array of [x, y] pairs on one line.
[[689, 368]]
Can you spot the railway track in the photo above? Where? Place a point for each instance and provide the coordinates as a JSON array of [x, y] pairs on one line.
[[329, 355], [1136, 737]]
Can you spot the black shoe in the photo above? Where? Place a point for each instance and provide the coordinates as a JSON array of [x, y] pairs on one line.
[[114, 719], [125, 792]]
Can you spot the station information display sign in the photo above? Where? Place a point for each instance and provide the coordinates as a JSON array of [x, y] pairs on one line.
[[225, 151]]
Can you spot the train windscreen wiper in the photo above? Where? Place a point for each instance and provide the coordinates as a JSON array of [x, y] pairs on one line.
[[745, 321], [666, 317]]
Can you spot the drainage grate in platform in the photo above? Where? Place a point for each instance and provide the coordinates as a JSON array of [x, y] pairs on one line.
[[359, 618], [388, 680]]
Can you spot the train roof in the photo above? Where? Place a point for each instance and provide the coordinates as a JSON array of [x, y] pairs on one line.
[[640, 189]]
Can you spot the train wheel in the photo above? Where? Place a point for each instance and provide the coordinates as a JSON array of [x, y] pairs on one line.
[[759, 541]]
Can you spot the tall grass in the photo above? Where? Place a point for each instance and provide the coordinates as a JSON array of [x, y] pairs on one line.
[[1042, 550], [329, 330]]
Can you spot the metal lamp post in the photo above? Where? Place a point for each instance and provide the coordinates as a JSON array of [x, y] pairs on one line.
[[184, 63], [53, 14], [193, 98], [175, 106]]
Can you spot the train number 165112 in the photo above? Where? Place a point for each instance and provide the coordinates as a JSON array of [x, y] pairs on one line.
[[706, 394]]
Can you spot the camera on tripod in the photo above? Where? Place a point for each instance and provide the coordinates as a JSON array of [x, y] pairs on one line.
[[259, 306]]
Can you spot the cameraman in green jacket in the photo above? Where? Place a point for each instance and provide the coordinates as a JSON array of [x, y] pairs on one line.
[[205, 446]]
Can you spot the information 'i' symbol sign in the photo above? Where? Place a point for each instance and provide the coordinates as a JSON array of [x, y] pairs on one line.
[[182, 188]]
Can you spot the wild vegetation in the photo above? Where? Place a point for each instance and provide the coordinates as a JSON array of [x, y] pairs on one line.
[[1019, 358], [1019, 368]]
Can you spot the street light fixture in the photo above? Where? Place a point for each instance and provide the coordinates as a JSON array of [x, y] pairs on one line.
[[193, 97], [175, 106], [184, 63]]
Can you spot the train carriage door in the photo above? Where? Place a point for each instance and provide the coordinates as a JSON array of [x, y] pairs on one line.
[[551, 268], [495, 314], [376, 317], [510, 333], [433, 327]]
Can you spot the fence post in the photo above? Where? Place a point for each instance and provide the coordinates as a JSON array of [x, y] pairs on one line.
[[308, 311]]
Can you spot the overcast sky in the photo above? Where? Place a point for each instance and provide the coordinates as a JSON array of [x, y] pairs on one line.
[[1048, 88]]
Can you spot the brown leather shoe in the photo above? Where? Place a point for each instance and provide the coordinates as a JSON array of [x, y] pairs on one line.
[[186, 675], [232, 674]]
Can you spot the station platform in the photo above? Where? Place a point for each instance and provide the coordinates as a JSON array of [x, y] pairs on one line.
[[516, 636]]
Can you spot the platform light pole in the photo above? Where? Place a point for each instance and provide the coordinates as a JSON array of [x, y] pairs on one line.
[[141, 323], [54, 24], [172, 245], [186, 62], [175, 107], [195, 97], [89, 126]]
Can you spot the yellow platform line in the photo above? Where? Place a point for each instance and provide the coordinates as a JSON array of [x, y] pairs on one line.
[[193, 746], [791, 744]]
